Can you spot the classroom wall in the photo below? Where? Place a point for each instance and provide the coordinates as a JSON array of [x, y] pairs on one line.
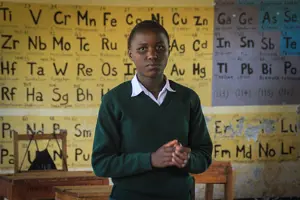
[[240, 57]]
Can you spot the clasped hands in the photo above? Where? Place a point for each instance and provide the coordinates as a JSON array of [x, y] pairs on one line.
[[171, 154]]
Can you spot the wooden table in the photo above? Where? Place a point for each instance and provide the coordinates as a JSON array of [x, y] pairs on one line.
[[39, 185], [93, 192]]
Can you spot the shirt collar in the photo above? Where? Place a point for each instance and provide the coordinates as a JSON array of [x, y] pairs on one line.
[[137, 87]]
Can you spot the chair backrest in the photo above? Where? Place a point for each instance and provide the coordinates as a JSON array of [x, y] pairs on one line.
[[219, 172], [62, 135], [193, 190]]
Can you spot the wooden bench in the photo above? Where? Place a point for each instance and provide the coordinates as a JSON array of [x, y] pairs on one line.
[[39, 185], [93, 192], [218, 173]]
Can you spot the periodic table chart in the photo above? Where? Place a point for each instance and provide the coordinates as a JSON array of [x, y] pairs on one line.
[[233, 54]]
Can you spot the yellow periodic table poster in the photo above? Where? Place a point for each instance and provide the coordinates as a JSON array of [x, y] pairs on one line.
[[68, 56], [237, 137], [248, 137], [58, 56]]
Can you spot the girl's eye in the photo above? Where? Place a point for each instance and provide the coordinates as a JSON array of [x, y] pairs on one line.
[[142, 49], [160, 47]]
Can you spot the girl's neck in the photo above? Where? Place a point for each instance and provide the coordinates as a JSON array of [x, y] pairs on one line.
[[153, 85]]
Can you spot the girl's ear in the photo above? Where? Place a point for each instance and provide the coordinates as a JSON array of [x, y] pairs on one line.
[[130, 54]]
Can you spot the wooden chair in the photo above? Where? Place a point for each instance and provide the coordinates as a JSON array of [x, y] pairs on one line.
[[193, 190], [33, 137], [218, 173]]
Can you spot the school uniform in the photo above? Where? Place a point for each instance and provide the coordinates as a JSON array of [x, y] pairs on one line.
[[132, 124]]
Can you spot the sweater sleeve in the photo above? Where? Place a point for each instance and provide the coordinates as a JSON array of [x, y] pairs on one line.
[[107, 159], [199, 139]]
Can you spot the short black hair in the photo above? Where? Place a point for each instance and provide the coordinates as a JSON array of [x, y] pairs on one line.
[[147, 25]]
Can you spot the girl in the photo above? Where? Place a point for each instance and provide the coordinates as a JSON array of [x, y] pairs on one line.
[[151, 132]]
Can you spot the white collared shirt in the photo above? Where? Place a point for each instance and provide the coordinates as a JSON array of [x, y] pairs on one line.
[[137, 88]]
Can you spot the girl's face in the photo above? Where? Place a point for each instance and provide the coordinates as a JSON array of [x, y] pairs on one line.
[[150, 52]]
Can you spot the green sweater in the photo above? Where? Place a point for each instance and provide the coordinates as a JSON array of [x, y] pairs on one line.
[[129, 129]]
